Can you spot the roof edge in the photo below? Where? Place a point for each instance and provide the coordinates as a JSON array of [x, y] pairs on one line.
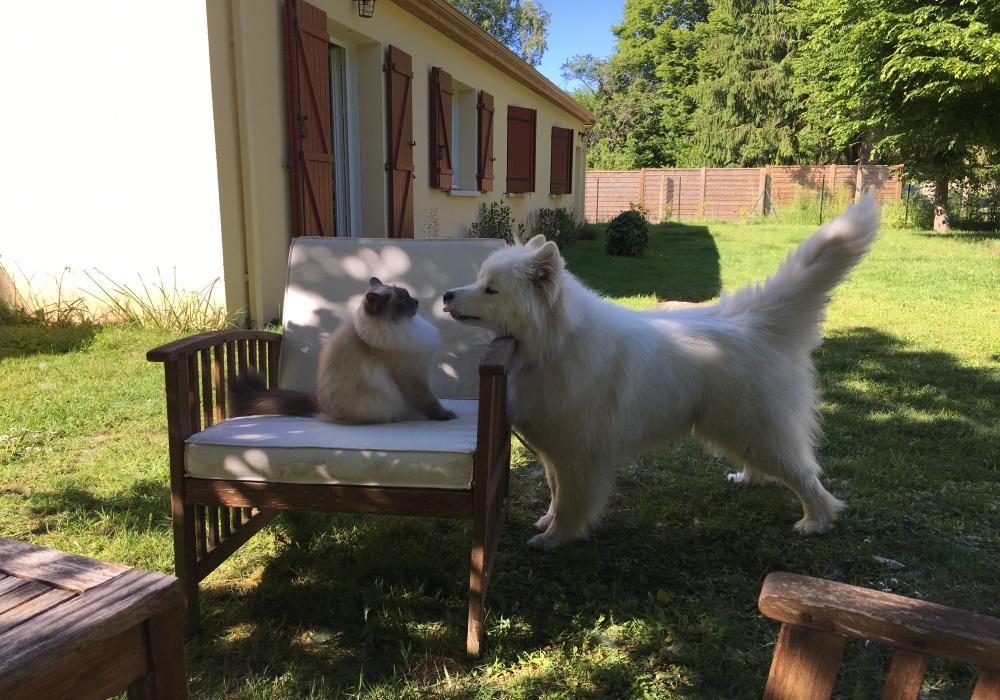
[[470, 36]]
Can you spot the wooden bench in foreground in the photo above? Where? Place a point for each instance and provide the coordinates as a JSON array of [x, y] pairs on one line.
[[818, 616], [75, 627]]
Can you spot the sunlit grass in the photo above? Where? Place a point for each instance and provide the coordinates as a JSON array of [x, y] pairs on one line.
[[661, 600]]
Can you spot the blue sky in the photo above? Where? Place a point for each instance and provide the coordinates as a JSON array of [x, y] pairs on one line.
[[578, 27]]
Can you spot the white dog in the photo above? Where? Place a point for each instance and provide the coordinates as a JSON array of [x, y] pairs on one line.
[[594, 384]]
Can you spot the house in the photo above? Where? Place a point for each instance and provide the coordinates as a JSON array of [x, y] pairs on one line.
[[326, 123]]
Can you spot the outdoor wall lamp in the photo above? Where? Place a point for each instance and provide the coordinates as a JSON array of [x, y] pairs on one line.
[[366, 8]]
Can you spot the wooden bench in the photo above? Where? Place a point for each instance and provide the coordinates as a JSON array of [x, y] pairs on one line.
[[818, 617], [75, 627], [229, 478]]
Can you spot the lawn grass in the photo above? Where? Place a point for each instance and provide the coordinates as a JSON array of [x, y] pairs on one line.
[[661, 600]]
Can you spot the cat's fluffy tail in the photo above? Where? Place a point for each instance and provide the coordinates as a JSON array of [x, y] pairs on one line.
[[250, 396]]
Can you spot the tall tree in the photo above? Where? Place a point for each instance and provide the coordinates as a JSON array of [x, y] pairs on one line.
[[638, 94], [521, 25], [747, 107], [919, 79]]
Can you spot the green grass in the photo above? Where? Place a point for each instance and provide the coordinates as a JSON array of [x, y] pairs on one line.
[[661, 600]]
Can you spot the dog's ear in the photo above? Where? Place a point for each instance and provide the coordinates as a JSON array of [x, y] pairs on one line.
[[535, 242], [546, 264]]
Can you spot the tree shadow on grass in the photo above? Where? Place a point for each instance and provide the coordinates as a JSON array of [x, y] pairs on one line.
[[142, 507], [24, 340], [965, 236], [663, 595], [681, 263]]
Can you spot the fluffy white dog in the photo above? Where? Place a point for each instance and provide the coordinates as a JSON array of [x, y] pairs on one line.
[[594, 385]]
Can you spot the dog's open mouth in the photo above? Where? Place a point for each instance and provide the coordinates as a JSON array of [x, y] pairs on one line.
[[460, 317]]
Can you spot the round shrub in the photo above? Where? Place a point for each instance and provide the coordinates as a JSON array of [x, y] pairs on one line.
[[628, 235], [917, 213]]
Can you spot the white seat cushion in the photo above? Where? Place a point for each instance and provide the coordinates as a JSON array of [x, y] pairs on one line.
[[413, 453]]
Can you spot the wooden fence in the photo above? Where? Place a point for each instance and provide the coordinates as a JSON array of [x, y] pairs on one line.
[[732, 194]]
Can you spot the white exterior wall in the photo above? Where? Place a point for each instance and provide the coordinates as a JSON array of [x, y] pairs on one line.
[[145, 144], [107, 148]]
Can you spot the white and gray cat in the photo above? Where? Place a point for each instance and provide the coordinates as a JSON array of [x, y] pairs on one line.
[[371, 369]]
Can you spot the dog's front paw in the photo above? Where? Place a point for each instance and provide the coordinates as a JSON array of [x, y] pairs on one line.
[[813, 526], [544, 541], [444, 414], [543, 522]]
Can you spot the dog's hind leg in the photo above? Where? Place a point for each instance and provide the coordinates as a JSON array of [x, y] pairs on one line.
[[820, 507], [786, 457]]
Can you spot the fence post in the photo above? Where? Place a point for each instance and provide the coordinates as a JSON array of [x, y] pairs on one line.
[[822, 192], [597, 203], [761, 188], [680, 178], [642, 189], [661, 198], [701, 193]]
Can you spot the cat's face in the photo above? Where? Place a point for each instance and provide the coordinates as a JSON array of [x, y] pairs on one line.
[[389, 302]]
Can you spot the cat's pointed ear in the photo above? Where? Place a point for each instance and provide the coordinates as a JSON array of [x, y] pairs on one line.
[[375, 282], [535, 242], [373, 300]]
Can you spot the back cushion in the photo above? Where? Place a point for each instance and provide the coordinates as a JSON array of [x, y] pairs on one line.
[[327, 280]]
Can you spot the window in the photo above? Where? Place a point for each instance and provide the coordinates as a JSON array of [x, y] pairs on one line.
[[521, 149], [561, 172], [453, 133], [464, 116]]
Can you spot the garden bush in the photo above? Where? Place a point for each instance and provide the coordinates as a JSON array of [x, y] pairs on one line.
[[557, 225], [495, 221], [917, 213], [628, 234]]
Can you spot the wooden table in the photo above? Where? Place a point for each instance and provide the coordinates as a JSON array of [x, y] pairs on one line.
[[74, 627]]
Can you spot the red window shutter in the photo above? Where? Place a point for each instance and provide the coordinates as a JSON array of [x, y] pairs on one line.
[[399, 69], [484, 172], [440, 155], [520, 149], [561, 172], [307, 62]]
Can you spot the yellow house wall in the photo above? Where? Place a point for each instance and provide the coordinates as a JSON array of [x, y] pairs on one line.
[[247, 49]]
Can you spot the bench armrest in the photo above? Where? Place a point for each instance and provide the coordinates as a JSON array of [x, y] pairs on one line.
[[183, 347], [905, 623], [498, 355], [199, 372]]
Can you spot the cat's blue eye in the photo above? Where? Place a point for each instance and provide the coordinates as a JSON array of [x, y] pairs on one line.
[[490, 290]]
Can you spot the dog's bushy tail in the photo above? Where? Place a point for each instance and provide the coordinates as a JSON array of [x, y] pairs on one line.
[[250, 396], [792, 303]]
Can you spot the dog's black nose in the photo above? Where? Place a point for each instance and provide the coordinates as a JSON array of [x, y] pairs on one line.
[[449, 295]]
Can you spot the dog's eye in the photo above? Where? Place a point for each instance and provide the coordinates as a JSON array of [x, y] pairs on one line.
[[490, 290]]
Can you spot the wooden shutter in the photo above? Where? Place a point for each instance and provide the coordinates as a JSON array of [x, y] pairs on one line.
[[520, 149], [484, 168], [561, 172], [442, 92], [399, 70], [307, 62]]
